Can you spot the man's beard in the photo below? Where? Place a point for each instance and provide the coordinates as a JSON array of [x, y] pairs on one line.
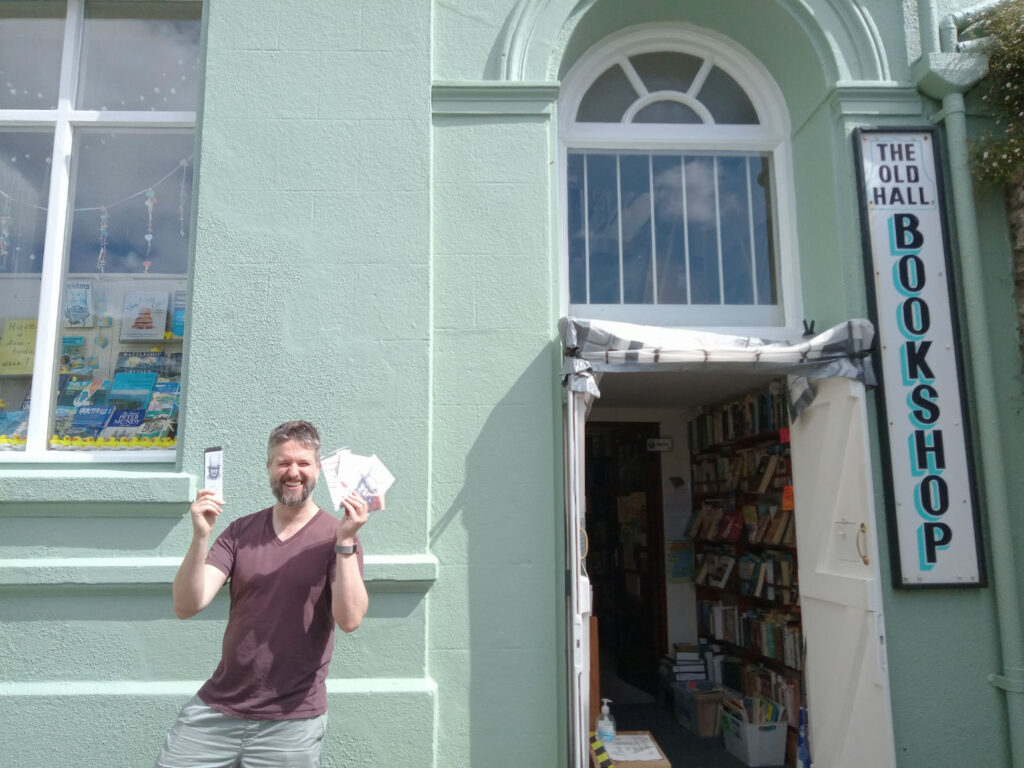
[[292, 497]]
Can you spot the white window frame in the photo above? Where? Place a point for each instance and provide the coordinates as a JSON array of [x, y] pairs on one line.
[[64, 120], [771, 136]]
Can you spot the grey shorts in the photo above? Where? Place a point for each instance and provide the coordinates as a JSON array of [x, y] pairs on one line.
[[202, 737]]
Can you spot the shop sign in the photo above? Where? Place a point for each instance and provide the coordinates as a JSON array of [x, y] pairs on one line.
[[933, 511]]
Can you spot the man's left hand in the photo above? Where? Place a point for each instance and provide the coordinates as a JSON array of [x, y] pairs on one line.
[[356, 512]]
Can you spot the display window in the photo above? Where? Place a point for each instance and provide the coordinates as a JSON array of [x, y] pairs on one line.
[[95, 203]]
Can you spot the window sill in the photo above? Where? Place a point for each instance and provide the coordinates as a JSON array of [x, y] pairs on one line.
[[100, 485], [51, 457]]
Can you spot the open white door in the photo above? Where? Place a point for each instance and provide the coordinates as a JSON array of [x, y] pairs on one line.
[[846, 674], [578, 597]]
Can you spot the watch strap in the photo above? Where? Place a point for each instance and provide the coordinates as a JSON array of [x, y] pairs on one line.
[[345, 549]]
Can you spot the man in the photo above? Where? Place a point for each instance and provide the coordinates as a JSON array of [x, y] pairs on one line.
[[295, 572]]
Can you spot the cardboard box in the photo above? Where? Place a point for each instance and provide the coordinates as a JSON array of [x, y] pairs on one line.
[[696, 708], [662, 762]]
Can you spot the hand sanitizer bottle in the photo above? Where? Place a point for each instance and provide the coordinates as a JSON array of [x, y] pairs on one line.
[[605, 723]]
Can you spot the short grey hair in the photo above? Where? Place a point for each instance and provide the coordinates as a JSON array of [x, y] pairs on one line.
[[301, 432]]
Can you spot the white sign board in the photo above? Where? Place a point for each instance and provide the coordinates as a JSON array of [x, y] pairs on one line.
[[932, 496]]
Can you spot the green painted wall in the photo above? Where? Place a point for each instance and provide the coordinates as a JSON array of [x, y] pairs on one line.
[[382, 258]]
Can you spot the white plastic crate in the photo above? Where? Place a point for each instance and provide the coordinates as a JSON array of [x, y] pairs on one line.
[[755, 743]]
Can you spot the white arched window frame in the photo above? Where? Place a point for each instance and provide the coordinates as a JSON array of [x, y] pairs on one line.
[[768, 138]]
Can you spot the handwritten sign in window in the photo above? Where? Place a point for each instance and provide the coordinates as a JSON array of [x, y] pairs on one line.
[[18, 347]]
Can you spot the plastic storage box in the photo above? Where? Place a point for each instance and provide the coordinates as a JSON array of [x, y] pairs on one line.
[[755, 743]]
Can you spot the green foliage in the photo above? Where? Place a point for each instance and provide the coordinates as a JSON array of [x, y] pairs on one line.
[[997, 159]]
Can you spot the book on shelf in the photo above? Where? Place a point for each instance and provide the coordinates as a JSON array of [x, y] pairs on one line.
[[731, 526], [720, 570], [777, 527], [93, 395], [686, 652], [749, 520], [748, 570], [768, 473]]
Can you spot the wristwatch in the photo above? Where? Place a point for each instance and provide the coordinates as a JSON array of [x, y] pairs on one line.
[[345, 549]]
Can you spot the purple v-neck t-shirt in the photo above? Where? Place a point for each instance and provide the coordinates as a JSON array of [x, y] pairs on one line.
[[280, 634]]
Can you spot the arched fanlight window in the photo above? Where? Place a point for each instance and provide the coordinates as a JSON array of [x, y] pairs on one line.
[[675, 146]]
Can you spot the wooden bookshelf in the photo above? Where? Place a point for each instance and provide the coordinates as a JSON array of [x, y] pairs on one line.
[[744, 538]]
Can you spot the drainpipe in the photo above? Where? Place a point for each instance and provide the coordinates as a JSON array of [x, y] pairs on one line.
[[947, 75]]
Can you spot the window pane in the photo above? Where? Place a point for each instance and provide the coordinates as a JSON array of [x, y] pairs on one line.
[[726, 100], [31, 38], [141, 183], [124, 292], [607, 99], [577, 233], [667, 71], [635, 203], [734, 215], [603, 229], [669, 229], [147, 63], [667, 112], [25, 161], [702, 229]]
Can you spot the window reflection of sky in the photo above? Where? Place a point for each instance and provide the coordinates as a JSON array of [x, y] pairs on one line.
[[113, 166], [711, 245], [163, 73], [24, 187]]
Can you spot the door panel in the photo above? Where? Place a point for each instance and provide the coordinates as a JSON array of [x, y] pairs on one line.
[[847, 680], [578, 597]]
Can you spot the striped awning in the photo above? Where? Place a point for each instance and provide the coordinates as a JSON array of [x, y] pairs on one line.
[[592, 346]]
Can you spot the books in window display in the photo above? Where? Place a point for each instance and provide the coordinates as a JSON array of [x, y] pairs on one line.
[[123, 425], [161, 417], [88, 422], [13, 428], [131, 390], [78, 304], [144, 317], [172, 366], [71, 386], [62, 417], [142, 362]]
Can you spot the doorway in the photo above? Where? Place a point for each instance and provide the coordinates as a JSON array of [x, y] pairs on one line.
[[845, 667], [626, 553]]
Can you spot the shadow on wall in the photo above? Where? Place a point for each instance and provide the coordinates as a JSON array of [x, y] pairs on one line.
[[500, 540]]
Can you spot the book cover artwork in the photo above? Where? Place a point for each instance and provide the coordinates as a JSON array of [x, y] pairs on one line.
[[131, 390], [78, 306], [145, 316]]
